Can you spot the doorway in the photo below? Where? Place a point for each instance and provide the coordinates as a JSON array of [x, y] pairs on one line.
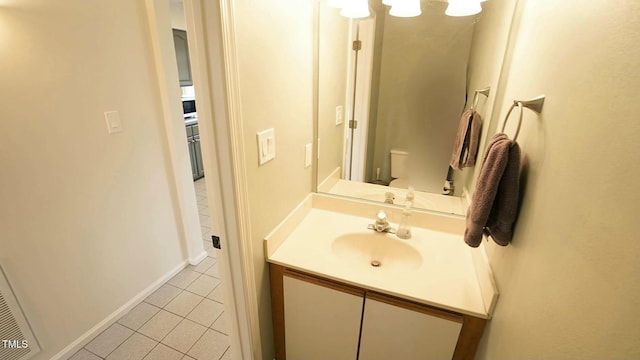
[[189, 101], [214, 212], [360, 71]]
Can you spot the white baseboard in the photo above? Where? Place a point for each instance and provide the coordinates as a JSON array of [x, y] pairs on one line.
[[197, 259], [85, 338]]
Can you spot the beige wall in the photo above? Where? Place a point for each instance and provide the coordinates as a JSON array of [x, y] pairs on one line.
[[87, 218], [275, 48], [332, 87], [421, 92], [569, 281]]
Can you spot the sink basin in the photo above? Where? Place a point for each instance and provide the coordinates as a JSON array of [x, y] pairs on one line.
[[374, 249]]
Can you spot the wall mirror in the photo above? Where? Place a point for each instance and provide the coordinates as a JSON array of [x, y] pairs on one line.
[[390, 93]]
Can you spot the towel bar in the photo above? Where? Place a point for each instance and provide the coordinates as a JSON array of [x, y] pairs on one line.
[[534, 104]]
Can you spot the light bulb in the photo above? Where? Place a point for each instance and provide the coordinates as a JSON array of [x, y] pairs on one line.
[[355, 9], [463, 7], [405, 8]]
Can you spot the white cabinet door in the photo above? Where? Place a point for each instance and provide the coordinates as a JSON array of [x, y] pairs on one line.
[[321, 321], [405, 331]]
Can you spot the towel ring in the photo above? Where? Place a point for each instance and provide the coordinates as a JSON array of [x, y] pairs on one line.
[[484, 92], [534, 104], [504, 124]]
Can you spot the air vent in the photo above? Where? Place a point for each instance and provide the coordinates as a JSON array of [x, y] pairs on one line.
[[17, 341]]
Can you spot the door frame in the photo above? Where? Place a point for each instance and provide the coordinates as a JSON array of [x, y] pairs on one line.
[[358, 108], [213, 63]]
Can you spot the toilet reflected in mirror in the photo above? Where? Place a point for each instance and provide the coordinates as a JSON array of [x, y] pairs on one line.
[[399, 168]]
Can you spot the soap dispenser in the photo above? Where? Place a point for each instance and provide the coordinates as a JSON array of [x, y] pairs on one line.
[[404, 229], [409, 198]]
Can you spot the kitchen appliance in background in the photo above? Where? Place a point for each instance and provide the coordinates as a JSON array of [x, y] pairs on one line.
[[189, 108], [195, 151], [193, 134], [189, 102]]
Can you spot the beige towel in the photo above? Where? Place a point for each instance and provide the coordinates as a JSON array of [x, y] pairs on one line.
[[465, 146], [495, 201]]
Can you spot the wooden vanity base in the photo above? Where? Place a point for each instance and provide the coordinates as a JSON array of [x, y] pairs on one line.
[[468, 338]]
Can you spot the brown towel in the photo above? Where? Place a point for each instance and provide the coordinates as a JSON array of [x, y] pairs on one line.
[[465, 146], [495, 200]]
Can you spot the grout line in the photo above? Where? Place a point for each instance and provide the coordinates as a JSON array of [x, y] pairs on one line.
[[150, 351], [194, 344], [170, 300], [215, 322], [199, 302], [204, 297], [169, 346], [170, 331], [143, 324], [141, 334], [103, 331], [225, 352], [125, 340], [220, 332], [89, 351]]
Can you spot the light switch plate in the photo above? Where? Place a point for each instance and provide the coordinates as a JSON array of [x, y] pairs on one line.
[[307, 155], [339, 114], [266, 146], [114, 124]]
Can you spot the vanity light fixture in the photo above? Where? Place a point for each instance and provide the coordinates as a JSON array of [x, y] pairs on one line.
[[336, 4], [355, 9], [463, 7], [405, 8]]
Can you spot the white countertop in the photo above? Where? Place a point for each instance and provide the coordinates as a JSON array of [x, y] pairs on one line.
[[446, 276], [424, 200]]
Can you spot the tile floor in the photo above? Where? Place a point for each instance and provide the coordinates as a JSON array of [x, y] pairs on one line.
[[182, 320]]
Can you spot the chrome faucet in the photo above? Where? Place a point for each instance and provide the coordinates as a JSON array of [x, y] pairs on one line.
[[382, 224], [389, 197], [448, 188]]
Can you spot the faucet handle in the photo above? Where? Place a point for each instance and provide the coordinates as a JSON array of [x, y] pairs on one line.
[[382, 224], [381, 216]]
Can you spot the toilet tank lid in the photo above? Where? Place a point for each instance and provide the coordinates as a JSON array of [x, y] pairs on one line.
[[399, 151]]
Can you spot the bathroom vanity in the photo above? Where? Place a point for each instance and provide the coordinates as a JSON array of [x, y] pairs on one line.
[[341, 291]]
